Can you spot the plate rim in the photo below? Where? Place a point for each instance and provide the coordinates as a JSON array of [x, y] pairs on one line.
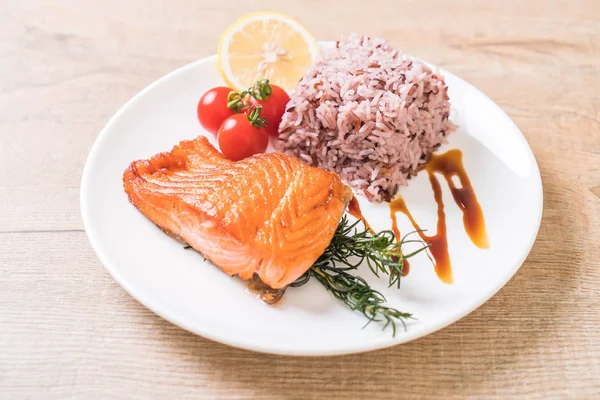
[[349, 349]]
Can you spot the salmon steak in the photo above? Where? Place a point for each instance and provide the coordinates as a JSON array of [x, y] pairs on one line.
[[268, 215]]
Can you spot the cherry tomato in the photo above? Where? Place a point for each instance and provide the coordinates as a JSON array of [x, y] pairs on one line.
[[212, 108], [239, 139], [273, 108]]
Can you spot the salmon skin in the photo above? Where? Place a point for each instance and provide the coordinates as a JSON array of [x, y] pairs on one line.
[[268, 214]]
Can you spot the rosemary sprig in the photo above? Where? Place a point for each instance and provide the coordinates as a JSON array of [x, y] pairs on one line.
[[359, 296], [348, 249]]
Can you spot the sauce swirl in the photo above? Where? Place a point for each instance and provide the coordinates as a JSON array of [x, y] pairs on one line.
[[449, 165]]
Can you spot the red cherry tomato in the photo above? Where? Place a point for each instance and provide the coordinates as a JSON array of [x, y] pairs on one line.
[[212, 108], [273, 108], [239, 139]]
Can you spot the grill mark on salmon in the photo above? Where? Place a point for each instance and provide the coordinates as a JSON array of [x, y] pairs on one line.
[[269, 215]]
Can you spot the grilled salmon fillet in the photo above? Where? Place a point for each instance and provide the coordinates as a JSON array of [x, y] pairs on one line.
[[269, 214]]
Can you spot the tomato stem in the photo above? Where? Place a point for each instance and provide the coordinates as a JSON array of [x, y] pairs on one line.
[[238, 102], [235, 101], [261, 90], [255, 119]]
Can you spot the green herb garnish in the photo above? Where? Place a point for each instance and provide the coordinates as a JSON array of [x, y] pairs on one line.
[[348, 249]]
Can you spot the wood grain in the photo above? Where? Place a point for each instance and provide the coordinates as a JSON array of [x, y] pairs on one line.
[[67, 330]]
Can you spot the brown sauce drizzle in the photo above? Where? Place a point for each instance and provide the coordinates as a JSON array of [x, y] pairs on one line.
[[354, 210], [449, 165], [438, 243], [393, 210]]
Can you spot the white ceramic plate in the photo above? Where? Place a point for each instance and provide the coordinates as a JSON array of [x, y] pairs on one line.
[[179, 286]]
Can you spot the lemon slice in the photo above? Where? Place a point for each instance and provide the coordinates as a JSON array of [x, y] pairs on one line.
[[266, 45]]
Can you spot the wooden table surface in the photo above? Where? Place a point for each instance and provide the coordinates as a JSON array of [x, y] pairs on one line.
[[68, 330]]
